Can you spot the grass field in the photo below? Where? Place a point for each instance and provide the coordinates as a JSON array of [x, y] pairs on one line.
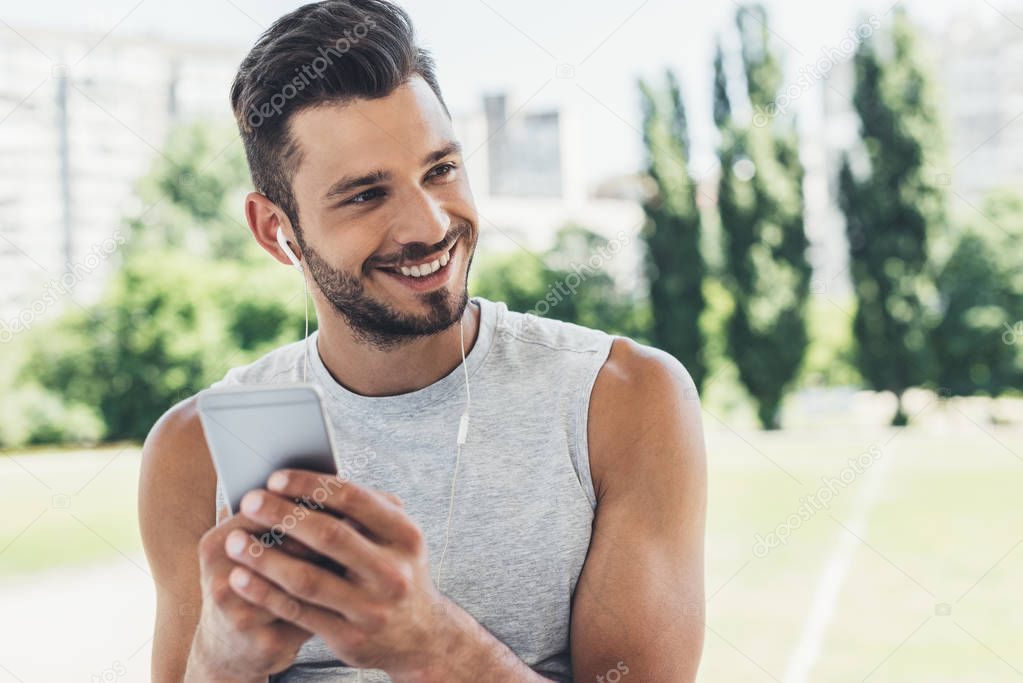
[[909, 573]]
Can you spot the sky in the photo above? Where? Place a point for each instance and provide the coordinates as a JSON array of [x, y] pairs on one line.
[[492, 45]]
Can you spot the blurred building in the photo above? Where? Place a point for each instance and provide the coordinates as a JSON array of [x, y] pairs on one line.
[[981, 71], [524, 152], [81, 118], [526, 171]]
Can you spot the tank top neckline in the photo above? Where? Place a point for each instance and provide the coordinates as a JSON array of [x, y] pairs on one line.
[[431, 395]]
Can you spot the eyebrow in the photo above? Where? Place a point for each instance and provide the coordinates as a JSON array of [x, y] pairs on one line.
[[349, 183]]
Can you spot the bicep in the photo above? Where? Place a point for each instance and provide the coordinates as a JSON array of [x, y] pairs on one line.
[[176, 494], [639, 603]]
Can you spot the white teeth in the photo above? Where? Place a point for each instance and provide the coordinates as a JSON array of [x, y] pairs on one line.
[[427, 268]]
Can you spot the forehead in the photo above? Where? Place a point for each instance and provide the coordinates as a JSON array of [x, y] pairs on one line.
[[365, 135]]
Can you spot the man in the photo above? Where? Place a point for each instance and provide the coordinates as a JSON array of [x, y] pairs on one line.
[[562, 540]]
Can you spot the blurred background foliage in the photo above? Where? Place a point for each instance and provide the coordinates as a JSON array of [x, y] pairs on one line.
[[596, 301]]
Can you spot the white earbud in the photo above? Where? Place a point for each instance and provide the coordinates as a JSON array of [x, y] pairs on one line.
[[283, 243]]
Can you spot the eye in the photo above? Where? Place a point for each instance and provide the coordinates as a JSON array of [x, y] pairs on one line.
[[448, 169], [364, 197]]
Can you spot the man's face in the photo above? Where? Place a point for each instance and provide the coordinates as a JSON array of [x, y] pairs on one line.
[[381, 186]]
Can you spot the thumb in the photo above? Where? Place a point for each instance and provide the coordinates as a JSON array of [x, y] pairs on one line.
[[395, 499]]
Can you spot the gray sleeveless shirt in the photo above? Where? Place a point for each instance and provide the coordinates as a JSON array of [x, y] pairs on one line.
[[524, 498]]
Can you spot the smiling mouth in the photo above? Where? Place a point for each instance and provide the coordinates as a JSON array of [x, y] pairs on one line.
[[427, 275], [424, 268]]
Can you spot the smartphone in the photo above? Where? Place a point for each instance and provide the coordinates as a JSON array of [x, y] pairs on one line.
[[252, 431], [255, 430]]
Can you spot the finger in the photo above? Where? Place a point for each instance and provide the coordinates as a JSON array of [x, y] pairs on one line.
[[288, 544], [389, 498], [260, 592], [276, 527], [296, 548], [382, 518], [308, 583], [212, 555], [327, 535], [260, 538], [217, 564]]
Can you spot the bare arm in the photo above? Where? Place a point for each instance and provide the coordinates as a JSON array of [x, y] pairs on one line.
[[639, 604], [176, 493], [203, 631]]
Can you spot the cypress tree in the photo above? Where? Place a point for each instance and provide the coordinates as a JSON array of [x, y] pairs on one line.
[[672, 232], [760, 201], [890, 208]]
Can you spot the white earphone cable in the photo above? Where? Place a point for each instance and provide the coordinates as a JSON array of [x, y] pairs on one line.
[[305, 291], [463, 429]]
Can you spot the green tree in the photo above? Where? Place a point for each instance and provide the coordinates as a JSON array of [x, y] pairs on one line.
[[892, 207], [568, 282], [168, 325], [675, 267], [760, 203], [191, 198], [193, 297], [978, 337]]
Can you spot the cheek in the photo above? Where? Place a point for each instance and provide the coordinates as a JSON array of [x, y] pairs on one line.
[[461, 205], [350, 246]]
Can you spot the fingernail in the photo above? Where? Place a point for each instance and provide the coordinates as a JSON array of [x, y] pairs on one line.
[[240, 577], [277, 481], [235, 543], [251, 502]]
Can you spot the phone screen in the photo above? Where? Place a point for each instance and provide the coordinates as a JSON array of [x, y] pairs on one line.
[[254, 430]]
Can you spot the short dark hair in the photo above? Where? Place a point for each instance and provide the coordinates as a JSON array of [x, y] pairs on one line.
[[323, 52]]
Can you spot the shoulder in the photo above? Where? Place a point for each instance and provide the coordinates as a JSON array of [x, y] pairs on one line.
[[644, 417], [177, 485], [634, 370], [178, 427]]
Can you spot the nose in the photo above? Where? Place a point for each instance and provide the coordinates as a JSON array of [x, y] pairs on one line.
[[421, 220]]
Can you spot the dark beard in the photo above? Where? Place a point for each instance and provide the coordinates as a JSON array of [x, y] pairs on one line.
[[375, 323]]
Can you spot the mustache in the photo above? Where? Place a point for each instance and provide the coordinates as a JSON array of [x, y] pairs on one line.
[[417, 250]]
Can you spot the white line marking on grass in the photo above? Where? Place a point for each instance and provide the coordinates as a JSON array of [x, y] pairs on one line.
[[829, 586]]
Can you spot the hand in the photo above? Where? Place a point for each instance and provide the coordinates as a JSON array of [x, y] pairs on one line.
[[235, 639], [385, 612]]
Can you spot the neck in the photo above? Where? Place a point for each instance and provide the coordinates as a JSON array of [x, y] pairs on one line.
[[370, 371]]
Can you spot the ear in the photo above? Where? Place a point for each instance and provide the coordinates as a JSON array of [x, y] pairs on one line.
[[264, 217]]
